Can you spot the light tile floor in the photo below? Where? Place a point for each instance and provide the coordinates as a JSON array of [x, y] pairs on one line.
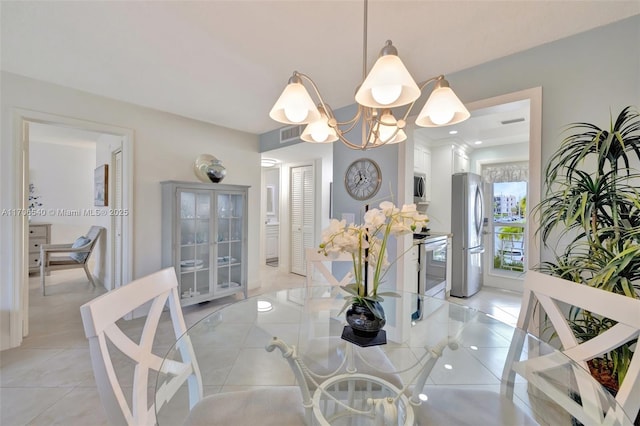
[[49, 379]]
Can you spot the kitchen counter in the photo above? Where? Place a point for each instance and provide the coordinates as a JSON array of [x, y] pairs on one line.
[[429, 237]]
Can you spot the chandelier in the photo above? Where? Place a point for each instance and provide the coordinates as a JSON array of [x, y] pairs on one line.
[[388, 85]]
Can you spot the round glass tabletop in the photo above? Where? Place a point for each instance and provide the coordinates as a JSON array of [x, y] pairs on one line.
[[442, 363]]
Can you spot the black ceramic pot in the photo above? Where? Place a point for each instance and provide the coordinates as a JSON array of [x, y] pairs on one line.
[[363, 322]]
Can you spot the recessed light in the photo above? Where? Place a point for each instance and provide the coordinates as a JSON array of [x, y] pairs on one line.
[[448, 366], [453, 132], [473, 348], [268, 162], [477, 142]]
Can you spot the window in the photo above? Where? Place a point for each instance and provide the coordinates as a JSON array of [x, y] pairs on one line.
[[509, 208], [508, 191]]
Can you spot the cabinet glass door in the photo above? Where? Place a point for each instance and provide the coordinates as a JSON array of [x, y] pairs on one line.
[[195, 243], [230, 211]]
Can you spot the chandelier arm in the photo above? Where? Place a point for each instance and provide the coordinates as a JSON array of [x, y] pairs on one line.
[[353, 121], [348, 143], [378, 120], [421, 86], [341, 132], [369, 129], [329, 111]]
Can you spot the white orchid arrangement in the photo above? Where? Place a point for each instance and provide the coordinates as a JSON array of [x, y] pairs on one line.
[[367, 244]]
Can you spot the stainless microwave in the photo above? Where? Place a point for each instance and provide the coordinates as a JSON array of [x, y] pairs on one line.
[[419, 188]]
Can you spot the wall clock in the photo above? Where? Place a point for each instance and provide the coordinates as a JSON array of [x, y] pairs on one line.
[[362, 179]]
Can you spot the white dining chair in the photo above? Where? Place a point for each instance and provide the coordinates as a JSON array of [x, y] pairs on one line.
[[319, 268], [273, 406], [100, 317], [549, 293]]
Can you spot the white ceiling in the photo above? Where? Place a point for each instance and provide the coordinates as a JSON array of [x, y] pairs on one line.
[[487, 127], [226, 62]]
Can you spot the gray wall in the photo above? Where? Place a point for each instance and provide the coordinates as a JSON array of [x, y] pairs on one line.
[[583, 78], [387, 159]]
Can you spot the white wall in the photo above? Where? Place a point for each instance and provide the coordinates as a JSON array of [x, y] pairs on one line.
[[165, 147], [272, 178], [498, 154], [63, 177]]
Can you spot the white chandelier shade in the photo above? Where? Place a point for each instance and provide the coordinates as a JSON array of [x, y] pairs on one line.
[[294, 106], [442, 108], [318, 131], [386, 131], [387, 85]]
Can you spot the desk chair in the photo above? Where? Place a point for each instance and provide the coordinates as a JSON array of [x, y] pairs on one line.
[[54, 257], [545, 292]]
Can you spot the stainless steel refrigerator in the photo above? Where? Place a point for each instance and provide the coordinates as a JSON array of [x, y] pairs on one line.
[[467, 247]]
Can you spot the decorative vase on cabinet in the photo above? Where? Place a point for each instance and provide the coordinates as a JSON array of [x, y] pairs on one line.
[[204, 237]]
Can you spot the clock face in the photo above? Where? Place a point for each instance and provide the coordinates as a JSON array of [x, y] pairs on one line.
[[363, 179]]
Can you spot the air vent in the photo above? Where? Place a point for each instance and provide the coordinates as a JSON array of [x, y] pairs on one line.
[[289, 134], [515, 120]]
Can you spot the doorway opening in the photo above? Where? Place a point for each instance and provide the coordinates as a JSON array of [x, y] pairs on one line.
[[502, 131], [318, 157], [29, 120], [271, 179]]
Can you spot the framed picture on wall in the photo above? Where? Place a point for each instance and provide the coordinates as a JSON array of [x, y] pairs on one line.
[[101, 186]]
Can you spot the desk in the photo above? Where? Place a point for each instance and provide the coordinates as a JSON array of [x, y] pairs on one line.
[[444, 368]]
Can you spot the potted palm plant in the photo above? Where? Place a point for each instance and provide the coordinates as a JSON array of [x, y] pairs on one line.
[[591, 222]]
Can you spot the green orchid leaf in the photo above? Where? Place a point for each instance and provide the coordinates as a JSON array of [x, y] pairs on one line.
[[348, 302], [351, 289], [375, 308]]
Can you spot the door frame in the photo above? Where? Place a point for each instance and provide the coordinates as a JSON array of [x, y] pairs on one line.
[[284, 262], [117, 280], [534, 96], [18, 258]]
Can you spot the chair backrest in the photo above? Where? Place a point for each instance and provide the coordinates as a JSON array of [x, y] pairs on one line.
[[99, 317], [318, 262], [93, 235], [625, 311]]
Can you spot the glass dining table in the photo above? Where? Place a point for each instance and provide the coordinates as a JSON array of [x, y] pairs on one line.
[[441, 364]]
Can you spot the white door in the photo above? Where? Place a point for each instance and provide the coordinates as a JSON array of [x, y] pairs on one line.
[[117, 219], [302, 216]]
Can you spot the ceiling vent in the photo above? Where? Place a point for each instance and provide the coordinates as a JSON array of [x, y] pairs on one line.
[[515, 120], [290, 134]]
